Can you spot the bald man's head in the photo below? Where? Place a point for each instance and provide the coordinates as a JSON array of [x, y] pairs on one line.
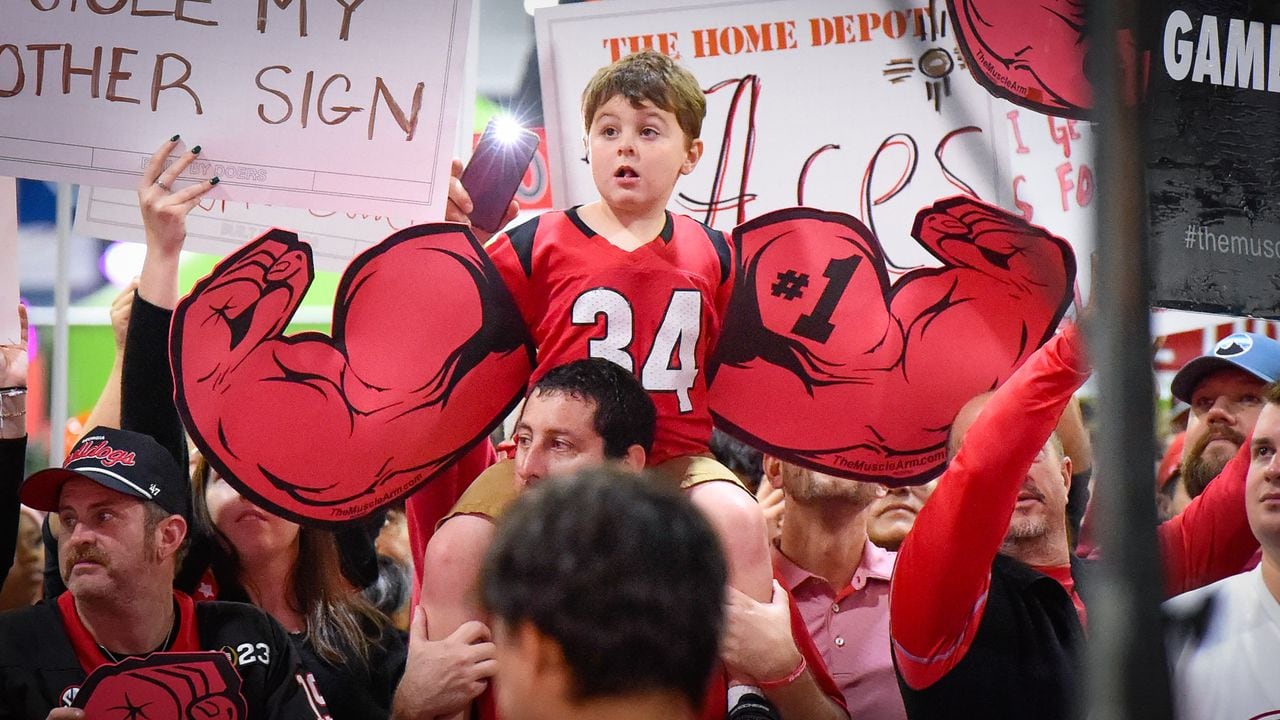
[[969, 412], [1039, 517], [964, 419]]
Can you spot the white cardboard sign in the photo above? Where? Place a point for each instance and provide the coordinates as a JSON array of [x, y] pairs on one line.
[[331, 104], [9, 331], [864, 108], [220, 227]]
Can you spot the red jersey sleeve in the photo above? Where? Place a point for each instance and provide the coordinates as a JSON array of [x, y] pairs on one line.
[[725, 291], [940, 584], [1211, 538], [502, 252]]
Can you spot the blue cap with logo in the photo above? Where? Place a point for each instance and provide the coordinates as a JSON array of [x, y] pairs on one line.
[[1255, 354]]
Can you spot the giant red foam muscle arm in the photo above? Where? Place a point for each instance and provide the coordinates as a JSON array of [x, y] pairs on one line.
[[1030, 53], [427, 353], [999, 295], [165, 685], [863, 377]]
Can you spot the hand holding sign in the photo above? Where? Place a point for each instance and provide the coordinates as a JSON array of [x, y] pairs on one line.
[[13, 356], [428, 352]]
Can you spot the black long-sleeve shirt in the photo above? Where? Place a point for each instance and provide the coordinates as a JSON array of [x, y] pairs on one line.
[[12, 455]]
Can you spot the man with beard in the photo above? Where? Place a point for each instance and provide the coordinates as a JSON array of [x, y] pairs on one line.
[[1225, 391], [838, 581], [986, 619]]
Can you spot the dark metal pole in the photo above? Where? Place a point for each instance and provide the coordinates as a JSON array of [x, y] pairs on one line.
[[1127, 674]]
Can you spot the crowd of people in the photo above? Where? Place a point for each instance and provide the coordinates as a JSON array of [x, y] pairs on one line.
[[607, 564]]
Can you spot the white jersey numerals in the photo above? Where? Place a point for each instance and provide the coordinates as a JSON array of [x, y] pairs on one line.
[[250, 653], [672, 363], [314, 698], [619, 325]]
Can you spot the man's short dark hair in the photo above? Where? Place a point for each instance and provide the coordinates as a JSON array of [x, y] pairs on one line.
[[737, 456], [625, 575], [625, 415]]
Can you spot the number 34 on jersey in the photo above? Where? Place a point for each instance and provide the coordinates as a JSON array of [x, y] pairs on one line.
[[671, 364]]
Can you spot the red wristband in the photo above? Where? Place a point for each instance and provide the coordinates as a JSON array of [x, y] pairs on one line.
[[783, 682]]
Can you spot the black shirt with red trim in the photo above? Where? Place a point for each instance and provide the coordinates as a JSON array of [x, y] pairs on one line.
[[12, 455], [46, 653], [357, 689]]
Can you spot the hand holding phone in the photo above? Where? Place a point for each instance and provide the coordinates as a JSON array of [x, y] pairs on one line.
[[494, 173]]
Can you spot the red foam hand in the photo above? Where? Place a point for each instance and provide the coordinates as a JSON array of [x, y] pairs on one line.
[[1030, 53], [200, 686], [428, 352], [862, 377]]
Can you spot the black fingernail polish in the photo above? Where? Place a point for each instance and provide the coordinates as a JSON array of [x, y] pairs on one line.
[[214, 180], [174, 138], [195, 150]]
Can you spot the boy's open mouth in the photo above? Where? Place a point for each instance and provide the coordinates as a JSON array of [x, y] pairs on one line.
[[625, 172]]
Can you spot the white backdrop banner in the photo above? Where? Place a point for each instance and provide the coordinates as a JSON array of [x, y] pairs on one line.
[[864, 112], [336, 105], [1050, 179], [864, 108]]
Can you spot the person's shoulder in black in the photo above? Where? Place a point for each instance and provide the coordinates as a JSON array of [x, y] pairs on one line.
[[37, 663], [358, 689], [275, 683], [13, 454]]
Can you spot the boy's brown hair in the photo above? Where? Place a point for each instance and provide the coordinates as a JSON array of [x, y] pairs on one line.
[[648, 76]]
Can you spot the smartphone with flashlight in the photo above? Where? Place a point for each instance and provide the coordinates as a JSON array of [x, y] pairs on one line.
[[497, 166]]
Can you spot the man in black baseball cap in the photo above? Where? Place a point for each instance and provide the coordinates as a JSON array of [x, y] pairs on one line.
[[127, 462], [123, 506]]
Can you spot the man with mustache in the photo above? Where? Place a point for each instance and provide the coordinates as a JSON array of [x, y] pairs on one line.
[[987, 617], [1224, 670], [123, 504], [1224, 390]]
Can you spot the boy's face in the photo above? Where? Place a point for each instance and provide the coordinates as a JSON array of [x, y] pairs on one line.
[[637, 154]]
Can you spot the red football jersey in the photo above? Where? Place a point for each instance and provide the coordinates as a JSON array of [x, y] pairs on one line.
[[656, 310]]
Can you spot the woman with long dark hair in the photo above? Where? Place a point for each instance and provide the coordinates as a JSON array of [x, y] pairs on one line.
[[294, 574]]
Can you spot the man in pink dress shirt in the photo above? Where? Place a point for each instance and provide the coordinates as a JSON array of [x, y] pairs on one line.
[[839, 581]]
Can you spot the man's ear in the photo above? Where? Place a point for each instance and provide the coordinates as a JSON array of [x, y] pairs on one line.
[[772, 467], [1066, 471], [544, 659], [170, 533], [634, 459], [692, 156]]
